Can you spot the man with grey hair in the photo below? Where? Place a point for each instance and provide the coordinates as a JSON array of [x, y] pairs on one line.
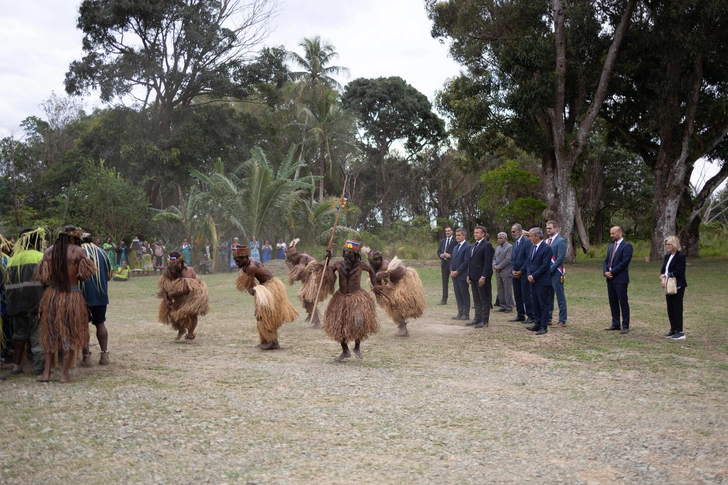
[[521, 287], [539, 275], [503, 275]]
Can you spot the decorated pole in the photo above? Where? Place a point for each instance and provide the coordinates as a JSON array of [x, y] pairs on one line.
[[340, 205]]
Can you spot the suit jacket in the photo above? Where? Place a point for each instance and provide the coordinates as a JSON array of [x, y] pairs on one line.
[[502, 259], [558, 248], [446, 248], [620, 263], [677, 268], [520, 253], [460, 260], [481, 261], [539, 265]]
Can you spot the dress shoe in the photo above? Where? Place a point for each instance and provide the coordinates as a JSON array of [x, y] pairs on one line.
[[624, 330], [472, 322], [560, 325], [530, 320], [612, 328], [533, 328], [502, 310], [456, 317], [463, 317], [443, 302], [542, 331], [549, 324], [518, 319], [481, 325]]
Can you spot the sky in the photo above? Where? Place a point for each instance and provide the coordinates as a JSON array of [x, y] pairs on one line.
[[374, 38]]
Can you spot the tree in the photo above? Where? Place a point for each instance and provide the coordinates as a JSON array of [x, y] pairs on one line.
[[106, 204], [545, 68], [315, 64], [389, 110], [669, 105], [173, 50], [510, 196]]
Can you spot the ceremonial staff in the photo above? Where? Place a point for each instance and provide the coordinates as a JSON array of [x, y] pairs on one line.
[[341, 204]]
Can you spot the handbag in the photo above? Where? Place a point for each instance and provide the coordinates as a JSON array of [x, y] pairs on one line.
[[671, 286]]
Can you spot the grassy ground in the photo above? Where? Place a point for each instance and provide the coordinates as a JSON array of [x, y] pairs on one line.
[[447, 405]]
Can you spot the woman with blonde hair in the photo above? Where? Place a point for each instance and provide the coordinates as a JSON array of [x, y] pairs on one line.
[[674, 266]]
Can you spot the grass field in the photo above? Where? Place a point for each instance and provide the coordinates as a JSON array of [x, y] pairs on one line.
[[449, 404]]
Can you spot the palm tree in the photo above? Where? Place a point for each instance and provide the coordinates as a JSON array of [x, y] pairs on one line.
[[255, 197], [316, 71], [329, 125], [315, 78]]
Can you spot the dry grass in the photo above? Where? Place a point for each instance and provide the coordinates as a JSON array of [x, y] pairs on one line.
[[447, 405]]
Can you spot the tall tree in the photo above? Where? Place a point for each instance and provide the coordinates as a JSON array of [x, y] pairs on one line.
[[669, 105], [546, 67], [389, 110], [167, 52], [315, 64]]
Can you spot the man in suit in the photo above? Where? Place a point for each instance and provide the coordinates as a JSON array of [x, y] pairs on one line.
[[558, 272], [521, 287], [538, 268], [616, 270], [444, 251], [503, 275], [459, 273], [480, 272]]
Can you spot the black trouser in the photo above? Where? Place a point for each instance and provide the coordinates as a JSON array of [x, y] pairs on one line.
[[675, 310], [618, 299], [482, 296], [445, 269], [462, 296]]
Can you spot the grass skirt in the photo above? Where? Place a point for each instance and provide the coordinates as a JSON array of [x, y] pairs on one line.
[[272, 307], [296, 272], [192, 304], [404, 300], [350, 317], [312, 280], [63, 320]]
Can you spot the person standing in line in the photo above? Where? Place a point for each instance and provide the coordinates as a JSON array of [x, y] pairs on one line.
[[521, 287], [267, 251], [538, 269], [480, 273], [281, 249], [674, 266], [444, 251], [459, 273], [616, 271], [503, 275], [558, 272]]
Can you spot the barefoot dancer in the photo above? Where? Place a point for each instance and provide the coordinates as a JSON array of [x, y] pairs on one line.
[[351, 314], [272, 307], [399, 290], [62, 311], [304, 268], [184, 297]]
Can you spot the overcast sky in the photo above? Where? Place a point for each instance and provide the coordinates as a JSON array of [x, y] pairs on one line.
[[374, 38]]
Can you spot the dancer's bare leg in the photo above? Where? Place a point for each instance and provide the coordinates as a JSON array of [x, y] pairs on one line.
[[345, 353], [46, 376], [357, 350], [65, 375]]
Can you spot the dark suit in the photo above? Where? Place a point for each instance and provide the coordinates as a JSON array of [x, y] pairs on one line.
[[521, 287], [675, 302], [558, 248], [539, 267], [481, 266], [459, 263], [445, 247], [618, 265]]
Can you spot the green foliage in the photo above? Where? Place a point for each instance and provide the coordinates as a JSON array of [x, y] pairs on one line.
[[510, 195], [105, 204], [713, 239]]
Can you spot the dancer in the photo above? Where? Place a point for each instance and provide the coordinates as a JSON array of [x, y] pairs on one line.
[[272, 307], [184, 297], [304, 268], [351, 314], [399, 290]]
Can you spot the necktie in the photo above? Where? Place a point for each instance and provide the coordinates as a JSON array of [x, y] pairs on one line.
[[548, 241], [475, 246], [614, 251], [535, 247]]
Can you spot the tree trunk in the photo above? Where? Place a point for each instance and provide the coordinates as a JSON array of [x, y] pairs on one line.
[[669, 186]]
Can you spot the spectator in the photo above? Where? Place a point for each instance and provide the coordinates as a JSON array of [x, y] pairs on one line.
[[267, 251], [674, 266], [255, 249], [122, 274], [281, 249]]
